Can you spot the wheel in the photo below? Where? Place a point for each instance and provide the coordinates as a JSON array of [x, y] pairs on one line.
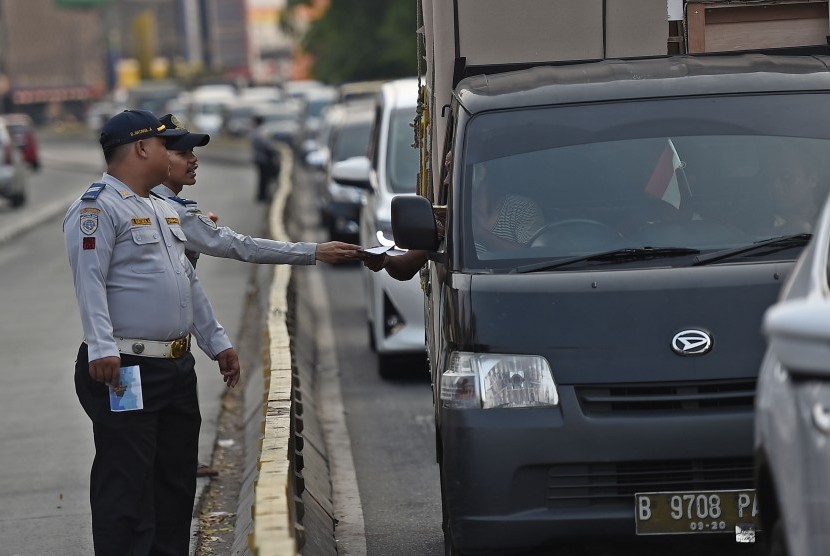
[[449, 544], [777, 539], [386, 365], [449, 547], [18, 199], [334, 235]]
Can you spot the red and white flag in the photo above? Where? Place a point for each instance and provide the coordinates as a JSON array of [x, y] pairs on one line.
[[663, 182]]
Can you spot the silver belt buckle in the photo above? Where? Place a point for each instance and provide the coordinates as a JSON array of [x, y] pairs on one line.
[[138, 348]]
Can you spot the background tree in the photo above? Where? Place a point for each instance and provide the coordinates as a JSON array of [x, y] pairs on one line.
[[365, 40]]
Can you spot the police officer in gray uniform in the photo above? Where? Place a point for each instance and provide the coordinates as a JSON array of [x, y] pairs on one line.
[[140, 303], [205, 236]]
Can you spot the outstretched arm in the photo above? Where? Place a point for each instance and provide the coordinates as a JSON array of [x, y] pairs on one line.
[[401, 267]]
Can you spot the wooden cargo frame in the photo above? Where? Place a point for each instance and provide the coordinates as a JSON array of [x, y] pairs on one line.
[[727, 26]]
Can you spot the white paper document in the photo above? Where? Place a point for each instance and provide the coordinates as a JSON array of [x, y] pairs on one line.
[[127, 396], [391, 250]]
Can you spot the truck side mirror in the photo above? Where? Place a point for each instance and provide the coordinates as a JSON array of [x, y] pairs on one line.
[[353, 171], [799, 334], [413, 223]]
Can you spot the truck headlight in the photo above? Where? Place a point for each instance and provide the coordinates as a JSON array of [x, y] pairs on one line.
[[491, 380]]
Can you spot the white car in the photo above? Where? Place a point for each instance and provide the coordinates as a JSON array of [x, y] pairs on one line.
[[395, 310], [792, 421]]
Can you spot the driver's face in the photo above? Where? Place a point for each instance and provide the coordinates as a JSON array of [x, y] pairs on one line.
[[793, 187]]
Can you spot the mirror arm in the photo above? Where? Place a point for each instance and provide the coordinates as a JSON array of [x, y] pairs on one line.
[[439, 257]]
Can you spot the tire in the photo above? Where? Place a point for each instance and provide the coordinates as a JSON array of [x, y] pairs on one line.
[[449, 544], [18, 199], [449, 547], [386, 365], [777, 539]]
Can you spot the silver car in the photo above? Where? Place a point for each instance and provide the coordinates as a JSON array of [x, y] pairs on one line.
[[792, 432], [13, 172]]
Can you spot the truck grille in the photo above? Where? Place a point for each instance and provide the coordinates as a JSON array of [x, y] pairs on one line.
[[608, 484], [716, 395]]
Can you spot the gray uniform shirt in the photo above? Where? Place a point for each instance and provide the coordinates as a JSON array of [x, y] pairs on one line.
[[204, 236], [132, 279]]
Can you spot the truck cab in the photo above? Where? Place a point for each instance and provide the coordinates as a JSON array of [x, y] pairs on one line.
[[612, 233]]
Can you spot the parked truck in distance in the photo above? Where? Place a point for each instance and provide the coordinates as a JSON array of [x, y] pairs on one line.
[[622, 186]]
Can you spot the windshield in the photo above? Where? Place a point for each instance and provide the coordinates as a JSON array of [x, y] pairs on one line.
[[402, 162], [352, 140], [698, 173], [315, 107]]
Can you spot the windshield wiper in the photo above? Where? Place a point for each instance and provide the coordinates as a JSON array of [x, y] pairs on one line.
[[782, 242], [616, 255]]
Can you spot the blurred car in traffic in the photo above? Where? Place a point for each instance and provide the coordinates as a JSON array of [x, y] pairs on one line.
[[99, 112], [347, 137], [359, 91], [395, 309], [13, 172], [154, 96], [298, 88], [792, 423], [315, 101], [239, 117], [260, 94], [22, 129], [281, 121], [207, 105]]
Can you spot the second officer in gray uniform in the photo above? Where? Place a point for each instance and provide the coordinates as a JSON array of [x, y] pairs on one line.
[[205, 236]]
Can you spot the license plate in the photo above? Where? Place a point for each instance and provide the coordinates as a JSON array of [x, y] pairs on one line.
[[714, 511]]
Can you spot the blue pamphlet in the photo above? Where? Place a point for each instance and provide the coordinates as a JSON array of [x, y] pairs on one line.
[[127, 395]]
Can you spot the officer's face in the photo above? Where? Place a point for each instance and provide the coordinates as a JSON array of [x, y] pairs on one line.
[[183, 165]]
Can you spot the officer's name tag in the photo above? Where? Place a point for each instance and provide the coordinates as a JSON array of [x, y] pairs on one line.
[[127, 395]]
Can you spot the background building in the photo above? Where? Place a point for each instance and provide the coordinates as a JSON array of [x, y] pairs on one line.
[[56, 56], [51, 59]]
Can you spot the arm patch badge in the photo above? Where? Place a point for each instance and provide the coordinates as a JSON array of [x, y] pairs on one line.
[[89, 220], [207, 221]]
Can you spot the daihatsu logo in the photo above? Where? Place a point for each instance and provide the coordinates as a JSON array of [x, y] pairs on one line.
[[691, 342]]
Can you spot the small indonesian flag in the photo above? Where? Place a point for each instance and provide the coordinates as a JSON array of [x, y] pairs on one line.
[[663, 182]]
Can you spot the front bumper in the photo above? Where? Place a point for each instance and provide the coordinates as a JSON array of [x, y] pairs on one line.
[[524, 478]]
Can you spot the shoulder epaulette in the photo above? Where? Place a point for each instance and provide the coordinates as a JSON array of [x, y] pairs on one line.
[[181, 201], [94, 190]]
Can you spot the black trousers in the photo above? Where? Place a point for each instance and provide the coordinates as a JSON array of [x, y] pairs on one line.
[[143, 480], [268, 173]]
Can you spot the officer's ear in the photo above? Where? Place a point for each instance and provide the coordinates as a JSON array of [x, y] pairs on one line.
[[140, 148]]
